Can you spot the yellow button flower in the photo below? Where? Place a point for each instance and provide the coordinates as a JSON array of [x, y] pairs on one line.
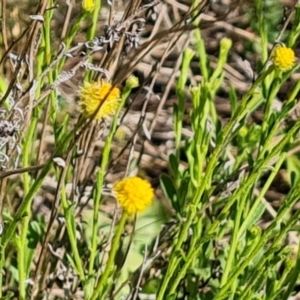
[[99, 94], [133, 194], [283, 58]]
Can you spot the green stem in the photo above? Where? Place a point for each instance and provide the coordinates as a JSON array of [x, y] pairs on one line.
[[71, 35], [48, 54], [294, 92], [22, 266], [293, 277], [70, 224], [102, 283], [195, 248], [90, 34], [92, 29], [202, 56], [180, 92], [263, 191], [234, 239], [100, 180]]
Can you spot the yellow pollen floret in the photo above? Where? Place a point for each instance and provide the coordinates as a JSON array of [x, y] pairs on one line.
[[133, 194], [99, 96], [283, 58]]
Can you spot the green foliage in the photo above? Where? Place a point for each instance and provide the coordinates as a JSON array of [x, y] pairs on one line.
[[212, 233]]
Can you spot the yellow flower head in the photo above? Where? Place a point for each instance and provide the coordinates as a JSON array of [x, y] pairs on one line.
[[133, 194], [283, 58], [99, 94], [88, 5]]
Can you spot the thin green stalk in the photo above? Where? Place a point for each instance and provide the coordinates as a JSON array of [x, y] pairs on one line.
[[75, 28], [262, 29], [70, 224], [197, 150], [293, 277], [268, 140], [295, 32], [281, 285], [27, 210], [200, 46], [47, 58], [92, 29], [90, 34], [294, 92], [180, 92], [263, 191], [71, 35], [258, 277], [2, 262], [102, 283], [175, 258], [100, 180], [11, 227], [230, 261], [192, 255], [268, 111], [273, 90], [173, 264]]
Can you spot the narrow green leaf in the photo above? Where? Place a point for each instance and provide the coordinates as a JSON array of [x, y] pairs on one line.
[[169, 190]]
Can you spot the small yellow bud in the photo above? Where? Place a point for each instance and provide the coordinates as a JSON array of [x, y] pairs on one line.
[[226, 44], [88, 5], [243, 131], [132, 82]]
